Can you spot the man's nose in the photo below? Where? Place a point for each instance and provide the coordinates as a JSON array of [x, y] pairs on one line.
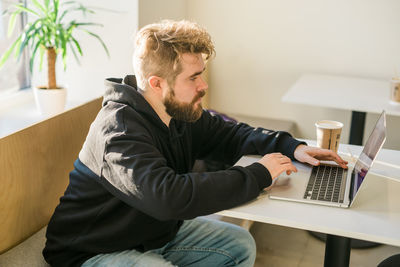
[[203, 85]]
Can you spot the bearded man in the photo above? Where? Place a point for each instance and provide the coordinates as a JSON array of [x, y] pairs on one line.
[[133, 199]]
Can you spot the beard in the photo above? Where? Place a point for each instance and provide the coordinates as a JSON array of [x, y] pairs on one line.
[[183, 111]]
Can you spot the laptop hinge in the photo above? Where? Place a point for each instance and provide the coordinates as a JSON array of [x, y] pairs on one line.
[[351, 193]]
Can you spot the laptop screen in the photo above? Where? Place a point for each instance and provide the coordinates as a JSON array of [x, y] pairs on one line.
[[369, 153]]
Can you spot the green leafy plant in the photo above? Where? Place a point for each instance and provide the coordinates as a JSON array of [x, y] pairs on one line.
[[48, 33]]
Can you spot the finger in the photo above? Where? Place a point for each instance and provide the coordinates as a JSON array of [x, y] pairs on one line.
[[335, 157], [284, 160], [341, 162], [289, 167], [288, 172], [311, 160], [324, 154]]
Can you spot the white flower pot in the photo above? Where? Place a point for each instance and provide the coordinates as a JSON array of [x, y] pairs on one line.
[[50, 101]]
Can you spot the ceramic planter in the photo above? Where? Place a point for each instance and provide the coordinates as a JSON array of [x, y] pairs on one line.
[[50, 101]]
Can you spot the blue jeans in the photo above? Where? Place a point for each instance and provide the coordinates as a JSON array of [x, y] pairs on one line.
[[199, 242]]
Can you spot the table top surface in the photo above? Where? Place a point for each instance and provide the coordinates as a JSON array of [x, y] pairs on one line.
[[374, 216], [364, 95]]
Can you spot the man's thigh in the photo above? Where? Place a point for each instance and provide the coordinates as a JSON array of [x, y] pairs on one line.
[[205, 242], [199, 242]]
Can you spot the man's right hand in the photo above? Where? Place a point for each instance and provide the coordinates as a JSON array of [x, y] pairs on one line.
[[276, 163]]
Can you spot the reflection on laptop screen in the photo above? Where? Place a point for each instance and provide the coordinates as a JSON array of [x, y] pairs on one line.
[[369, 153]]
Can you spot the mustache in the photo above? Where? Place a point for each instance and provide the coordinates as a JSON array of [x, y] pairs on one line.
[[198, 96]]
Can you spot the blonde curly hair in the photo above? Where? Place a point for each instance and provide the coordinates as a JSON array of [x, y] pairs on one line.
[[160, 45]]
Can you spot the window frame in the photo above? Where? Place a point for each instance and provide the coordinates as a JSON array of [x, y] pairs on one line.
[[26, 83], [25, 80]]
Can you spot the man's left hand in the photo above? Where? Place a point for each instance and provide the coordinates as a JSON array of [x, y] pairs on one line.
[[313, 155]]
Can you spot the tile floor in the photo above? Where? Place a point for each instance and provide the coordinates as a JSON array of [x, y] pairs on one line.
[[286, 247]]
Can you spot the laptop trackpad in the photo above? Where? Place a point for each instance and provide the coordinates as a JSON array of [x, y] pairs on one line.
[[290, 186]]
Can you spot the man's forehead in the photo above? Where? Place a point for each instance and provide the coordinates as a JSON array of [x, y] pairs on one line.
[[192, 63]]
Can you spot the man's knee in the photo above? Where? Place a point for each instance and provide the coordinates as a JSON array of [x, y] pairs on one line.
[[246, 246]]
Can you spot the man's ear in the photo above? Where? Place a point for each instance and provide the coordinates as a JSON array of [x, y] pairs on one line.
[[155, 83]]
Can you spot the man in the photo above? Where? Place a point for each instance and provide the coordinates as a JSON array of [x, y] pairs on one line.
[[132, 199]]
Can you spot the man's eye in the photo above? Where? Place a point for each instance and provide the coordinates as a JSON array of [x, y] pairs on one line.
[[193, 79]]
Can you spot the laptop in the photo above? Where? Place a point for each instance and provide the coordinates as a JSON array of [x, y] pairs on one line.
[[329, 184]]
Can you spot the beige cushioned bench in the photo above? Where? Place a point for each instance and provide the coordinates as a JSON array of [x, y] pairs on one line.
[[34, 167]]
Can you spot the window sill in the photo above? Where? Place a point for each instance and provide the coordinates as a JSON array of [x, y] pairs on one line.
[[18, 111]]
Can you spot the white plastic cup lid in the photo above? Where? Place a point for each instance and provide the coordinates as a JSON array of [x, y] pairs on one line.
[[326, 124]]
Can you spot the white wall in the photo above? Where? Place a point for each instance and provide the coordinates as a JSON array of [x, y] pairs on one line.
[[151, 11], [264, 46]]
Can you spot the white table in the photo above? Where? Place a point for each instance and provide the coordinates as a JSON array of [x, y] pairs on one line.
[[375, 217], [355, 94]]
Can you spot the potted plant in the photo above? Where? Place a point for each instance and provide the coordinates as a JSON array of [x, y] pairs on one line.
[[49, 32]]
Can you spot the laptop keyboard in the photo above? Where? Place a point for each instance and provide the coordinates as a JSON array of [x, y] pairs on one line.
[[325, 184]]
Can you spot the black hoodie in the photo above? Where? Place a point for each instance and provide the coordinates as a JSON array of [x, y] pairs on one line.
[[132, 184]]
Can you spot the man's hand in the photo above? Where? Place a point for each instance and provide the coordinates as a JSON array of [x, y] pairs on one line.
[[312, 155], [276, 163]]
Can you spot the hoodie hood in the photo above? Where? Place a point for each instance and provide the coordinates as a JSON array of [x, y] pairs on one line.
[[125, 91]]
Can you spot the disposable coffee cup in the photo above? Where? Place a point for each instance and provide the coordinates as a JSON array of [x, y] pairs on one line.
[[395, 91], [328, 134]]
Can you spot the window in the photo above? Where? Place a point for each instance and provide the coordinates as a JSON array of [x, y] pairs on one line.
[[14, 75]]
